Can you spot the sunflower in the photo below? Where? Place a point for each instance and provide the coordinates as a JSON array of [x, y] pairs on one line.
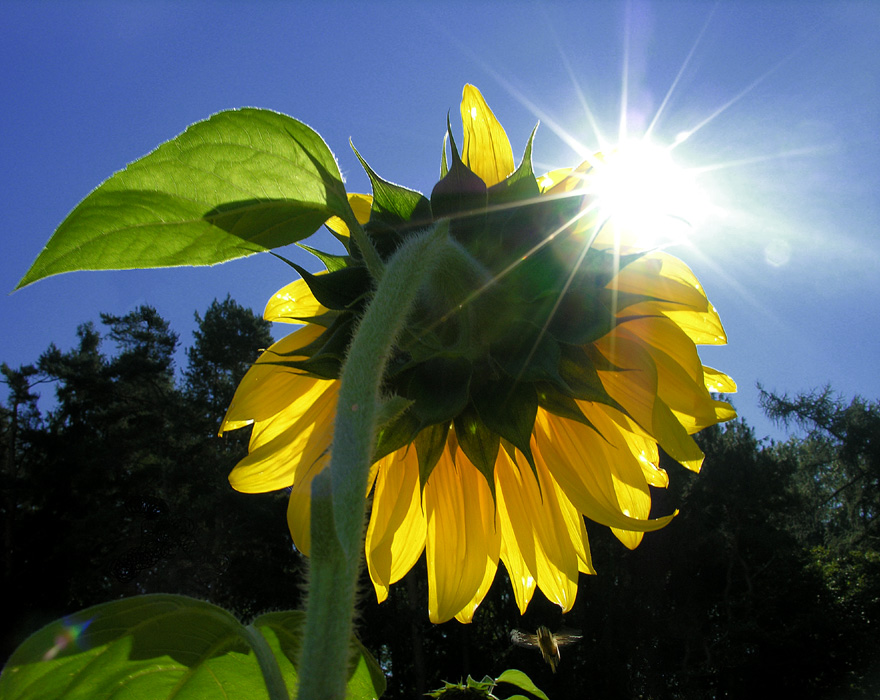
[[543, 370]]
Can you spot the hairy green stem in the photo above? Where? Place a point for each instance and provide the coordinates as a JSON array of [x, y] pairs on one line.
[[371, 257], [268, 664], [339, 500]]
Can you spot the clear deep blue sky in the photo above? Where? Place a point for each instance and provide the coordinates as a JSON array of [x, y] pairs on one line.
[[786, 97]]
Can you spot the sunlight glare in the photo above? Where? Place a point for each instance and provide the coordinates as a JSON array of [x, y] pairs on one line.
[[641, 191]]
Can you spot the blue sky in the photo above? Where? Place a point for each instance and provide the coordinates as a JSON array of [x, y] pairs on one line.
[[782, 101]]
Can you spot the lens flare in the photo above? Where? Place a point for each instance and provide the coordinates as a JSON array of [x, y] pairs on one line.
[[67, 636]]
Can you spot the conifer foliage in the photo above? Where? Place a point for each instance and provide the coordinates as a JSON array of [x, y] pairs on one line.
[[114, 483]]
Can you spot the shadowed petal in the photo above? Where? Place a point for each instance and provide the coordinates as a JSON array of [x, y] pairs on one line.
[[299, 507]]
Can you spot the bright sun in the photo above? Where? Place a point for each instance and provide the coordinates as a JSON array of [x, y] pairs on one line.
[[643, 192]]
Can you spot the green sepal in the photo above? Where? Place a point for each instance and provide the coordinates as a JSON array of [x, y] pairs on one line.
[[510, 411], [601, 266], [581, 377], [554, 401], [527, 354], [459, 192], [623, 300], [588, 309], [439, 387], [600, 362], [238, 183], [394, 204], [444, 166], [479, 444], [325, 319], [317, 368], [430, 443], [326, 353], [390, 409], [334, 339], [340, 289], [580, 319], [398, 433], [510, 449], [520, 185], [331, 262]]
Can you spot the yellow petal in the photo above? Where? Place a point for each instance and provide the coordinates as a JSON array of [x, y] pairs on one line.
[[558, 561], [299, 507], [702, 328], [628, 538], [278, 396], [396, 532], [360, 204], [668, 345], [293, 303], [518, 548], [676, 293], [595, 470], [718, 382], [554, 177], [636, 389], [266, 387], [566, 179], [543, 537], [521, 580], [680, 380], [486, 149], [659, 277], [641, 445], [298, 440], [724, 411], [466, 614], [460, 537]]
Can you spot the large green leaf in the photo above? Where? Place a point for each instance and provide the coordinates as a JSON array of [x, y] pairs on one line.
[[162, 647], [521, 681], [241, 182]]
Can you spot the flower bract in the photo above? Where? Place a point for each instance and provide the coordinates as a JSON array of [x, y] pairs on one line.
[[545, 368]]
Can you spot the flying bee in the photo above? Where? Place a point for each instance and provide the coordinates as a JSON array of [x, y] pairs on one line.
[[546, 641]]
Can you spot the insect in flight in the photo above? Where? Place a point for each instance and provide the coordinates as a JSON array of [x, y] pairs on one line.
[[546, 641]]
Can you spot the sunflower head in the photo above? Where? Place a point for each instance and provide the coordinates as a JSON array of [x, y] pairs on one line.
[[544, 364], [505, 326]]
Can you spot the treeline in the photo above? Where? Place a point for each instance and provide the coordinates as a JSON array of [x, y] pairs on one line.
[[767, 581], [122, 488]]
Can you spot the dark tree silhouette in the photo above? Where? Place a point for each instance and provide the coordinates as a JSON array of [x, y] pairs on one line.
[[122, 488], [767, 581]]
